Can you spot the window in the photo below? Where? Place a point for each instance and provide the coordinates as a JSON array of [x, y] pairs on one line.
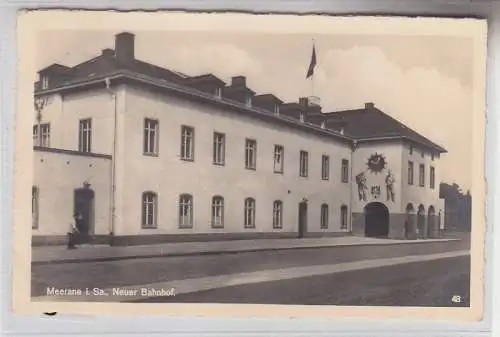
[[324, 216], [85, 136], [411, 149], [432, 178], [150, 136], [186, 211], [45, 82], [277, 214], [325, 167], [302, 117], [187, 143], [250, 154], [432, 156], [248, 101], [219, 155], [304, 164], [149, 210], [410, 173], [343, 217], [277, 109], [44, 139], [421, 175], [217, 212], [249, 213], [34, 207], [345, 171], [218, 92], [279, 158]]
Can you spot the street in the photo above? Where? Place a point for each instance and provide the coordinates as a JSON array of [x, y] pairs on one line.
[[421, 282]]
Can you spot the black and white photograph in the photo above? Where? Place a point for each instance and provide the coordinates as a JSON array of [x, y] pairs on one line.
[[233, 161]]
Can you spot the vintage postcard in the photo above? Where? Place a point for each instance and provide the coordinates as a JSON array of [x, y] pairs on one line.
[[250, 165]]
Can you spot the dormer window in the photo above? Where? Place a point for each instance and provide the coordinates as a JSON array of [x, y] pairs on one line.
[[323, 126], [248, 101], [218, 92], [276, 109], [302, 117], [45, 82]]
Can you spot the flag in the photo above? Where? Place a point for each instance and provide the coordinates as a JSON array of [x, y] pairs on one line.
[[312, 65]]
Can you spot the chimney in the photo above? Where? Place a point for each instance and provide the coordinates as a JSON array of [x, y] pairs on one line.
[[108, 52], [239, 81], [304, 102], [124, 47], [369, 105]]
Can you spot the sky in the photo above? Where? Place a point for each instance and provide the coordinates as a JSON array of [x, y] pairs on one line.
[[423, 81]]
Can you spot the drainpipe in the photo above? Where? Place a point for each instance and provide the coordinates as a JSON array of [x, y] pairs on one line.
[[113, 165], [355, 144]]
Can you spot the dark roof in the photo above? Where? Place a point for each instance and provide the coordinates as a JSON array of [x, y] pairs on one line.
[[205, 77], [371, 123]]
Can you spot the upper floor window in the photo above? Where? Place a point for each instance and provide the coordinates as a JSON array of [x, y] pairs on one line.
[[217, 212], [45, 82], [249, 213], [187, 143], [304, 164], [277, 214], [34, 207], [421, 175], [432, 178], [186, 211], [410, 173], [302, 117], [41, 135], [345, 171], [250, 154], [324, 216], [325, 167], [343, 217], [149, 210], [277, 109], [150, 136], [248, 101], [219, 153], [279, 158], [85, 135]]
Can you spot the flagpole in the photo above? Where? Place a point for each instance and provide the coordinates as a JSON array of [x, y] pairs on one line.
[[312, 77]]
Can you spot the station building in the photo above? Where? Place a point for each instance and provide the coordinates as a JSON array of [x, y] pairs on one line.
[[147, 155]]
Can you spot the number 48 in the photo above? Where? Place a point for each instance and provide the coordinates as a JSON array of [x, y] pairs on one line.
[[456, 299]]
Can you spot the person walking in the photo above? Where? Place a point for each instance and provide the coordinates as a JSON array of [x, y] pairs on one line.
[[73, 231]]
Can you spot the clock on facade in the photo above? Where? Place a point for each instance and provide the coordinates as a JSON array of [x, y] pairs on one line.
[[376, 163]]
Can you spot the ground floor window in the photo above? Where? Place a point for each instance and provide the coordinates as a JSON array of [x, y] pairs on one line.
[[343, 217], [149, 210], [186, 211], [324, 216], [277, 214], [249, 213], [217, 212]]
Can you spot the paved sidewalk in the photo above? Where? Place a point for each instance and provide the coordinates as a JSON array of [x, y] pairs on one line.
[[94, 253]]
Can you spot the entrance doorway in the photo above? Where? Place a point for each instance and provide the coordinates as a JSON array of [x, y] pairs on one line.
[[84, 206], [302, 218], [422, 232], [431, 223], [376, 220]]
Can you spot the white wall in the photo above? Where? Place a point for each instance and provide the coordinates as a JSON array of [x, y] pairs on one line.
[[392, 153], [57, 175], [416, 194], [170, 176], [64, 112]]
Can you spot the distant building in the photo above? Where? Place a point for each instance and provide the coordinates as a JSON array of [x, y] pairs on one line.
[[146, 154]]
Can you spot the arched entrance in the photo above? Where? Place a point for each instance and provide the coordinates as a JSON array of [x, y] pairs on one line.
[[431, 223], [376, 220], [410, 222], [421, 221]]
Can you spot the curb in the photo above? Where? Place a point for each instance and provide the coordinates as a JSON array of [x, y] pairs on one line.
[[221, 252]]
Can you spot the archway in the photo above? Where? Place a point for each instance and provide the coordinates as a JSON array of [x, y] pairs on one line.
[[376, 220], [421, 221], [410, 222], [431, 222]]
